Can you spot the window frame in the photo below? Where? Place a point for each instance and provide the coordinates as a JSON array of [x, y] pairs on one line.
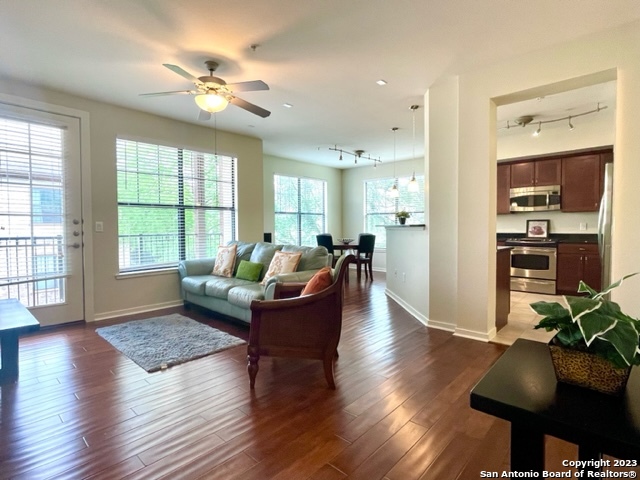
[[389, 218], [181, 206], [299, 214]]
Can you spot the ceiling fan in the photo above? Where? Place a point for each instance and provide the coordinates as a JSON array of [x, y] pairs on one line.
[[213, 94]]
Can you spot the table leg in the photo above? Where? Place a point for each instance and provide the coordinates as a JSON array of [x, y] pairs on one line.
[[527, 449], [9, 357]]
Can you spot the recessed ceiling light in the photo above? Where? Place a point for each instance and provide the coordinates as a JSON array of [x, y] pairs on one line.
[[287, 105], [381, 82]]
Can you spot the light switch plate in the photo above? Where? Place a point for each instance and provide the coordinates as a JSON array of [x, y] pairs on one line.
[[99, 227], [583, 226]]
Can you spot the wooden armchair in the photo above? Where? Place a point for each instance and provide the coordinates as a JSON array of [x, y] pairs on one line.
[[302, 327]]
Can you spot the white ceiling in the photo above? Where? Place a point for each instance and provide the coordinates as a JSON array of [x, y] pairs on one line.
[[322, 57]]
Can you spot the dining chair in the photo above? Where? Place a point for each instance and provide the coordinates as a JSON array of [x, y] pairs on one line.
[[366, 244], [326, 240]]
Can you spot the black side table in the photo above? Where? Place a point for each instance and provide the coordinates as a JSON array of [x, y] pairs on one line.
[[521, 387]]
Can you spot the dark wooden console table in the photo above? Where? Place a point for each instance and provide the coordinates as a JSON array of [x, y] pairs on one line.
[[521, 387], [15, 320]]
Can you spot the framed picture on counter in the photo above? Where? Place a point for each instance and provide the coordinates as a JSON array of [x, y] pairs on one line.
[[538, 228]]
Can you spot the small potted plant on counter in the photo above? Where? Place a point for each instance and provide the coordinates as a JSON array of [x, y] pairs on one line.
[[596, 344], [402, 216]]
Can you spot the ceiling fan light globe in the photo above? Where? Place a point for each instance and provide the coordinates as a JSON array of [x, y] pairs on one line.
[[211, 103]]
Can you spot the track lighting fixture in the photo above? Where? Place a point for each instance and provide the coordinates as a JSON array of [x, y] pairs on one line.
[[357, 154], [526, 120]]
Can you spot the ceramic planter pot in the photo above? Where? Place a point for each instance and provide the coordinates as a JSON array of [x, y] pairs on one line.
[[402, 220], [588, 370]]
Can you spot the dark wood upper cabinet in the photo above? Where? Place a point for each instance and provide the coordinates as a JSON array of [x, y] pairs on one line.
[[503, 179], [582, 178], [536, 173]]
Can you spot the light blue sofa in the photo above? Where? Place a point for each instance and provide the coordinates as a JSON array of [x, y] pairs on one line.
[[232, 296]]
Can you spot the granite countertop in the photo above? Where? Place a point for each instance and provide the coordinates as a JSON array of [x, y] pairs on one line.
[[560, 237]]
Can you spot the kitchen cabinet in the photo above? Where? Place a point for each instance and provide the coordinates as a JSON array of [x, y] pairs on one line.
[[577, 261], [504, 183], [536, 173], [503, 286], [582, 180]]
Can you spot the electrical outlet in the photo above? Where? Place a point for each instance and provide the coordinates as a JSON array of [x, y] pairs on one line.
[[583, 226], [404, 277], [99, 227]]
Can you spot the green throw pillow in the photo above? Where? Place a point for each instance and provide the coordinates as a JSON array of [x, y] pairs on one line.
[[249, 270]]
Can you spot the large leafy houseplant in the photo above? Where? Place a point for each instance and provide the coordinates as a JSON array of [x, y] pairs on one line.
[[595, 324]]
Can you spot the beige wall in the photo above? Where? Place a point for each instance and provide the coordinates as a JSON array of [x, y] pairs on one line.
[[589, 60], [114, 296]]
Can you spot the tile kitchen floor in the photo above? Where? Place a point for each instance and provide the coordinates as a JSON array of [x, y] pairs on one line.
[[522, 319]]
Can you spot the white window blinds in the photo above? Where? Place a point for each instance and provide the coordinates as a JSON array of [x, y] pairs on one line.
[[173, 204], [33, 262]]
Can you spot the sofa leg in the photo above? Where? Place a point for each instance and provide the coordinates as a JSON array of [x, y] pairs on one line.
[[252, 368]]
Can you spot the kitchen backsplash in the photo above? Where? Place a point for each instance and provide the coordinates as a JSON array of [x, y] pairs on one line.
[[559, 222]]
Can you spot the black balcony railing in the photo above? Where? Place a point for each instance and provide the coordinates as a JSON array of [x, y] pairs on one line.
[[32, 269], [148, 251]]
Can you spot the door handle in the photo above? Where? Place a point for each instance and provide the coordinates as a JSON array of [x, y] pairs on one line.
[[75, 245]]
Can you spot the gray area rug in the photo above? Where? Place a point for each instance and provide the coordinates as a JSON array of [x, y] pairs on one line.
[[161, 342]]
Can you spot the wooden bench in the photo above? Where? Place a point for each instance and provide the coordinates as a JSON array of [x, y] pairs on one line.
[[15, 320]]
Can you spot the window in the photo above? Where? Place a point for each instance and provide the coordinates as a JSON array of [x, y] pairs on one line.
[[32, 260], [299, 209], [380, 208], [173, 204]]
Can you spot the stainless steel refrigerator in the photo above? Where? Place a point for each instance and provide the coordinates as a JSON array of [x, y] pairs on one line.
[[604, 225]]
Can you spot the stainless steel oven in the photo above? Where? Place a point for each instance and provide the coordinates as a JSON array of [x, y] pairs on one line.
[[533, 268]]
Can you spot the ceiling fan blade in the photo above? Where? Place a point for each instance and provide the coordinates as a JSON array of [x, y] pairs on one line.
[[252, 86], [176, 92], [182, 73], [203, 116], [250, 107]]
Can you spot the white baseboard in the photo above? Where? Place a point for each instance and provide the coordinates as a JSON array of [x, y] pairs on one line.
[[133, 311], [417, 315], [475, 335]]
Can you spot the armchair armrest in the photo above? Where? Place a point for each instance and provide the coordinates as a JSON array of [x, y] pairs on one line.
[[296, 277], [200, 266], [288, 290]]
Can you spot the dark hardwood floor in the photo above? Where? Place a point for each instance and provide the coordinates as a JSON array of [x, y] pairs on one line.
[[400, 411]]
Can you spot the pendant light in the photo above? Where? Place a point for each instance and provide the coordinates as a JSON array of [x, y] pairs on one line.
[[393, 191], [413, 183]]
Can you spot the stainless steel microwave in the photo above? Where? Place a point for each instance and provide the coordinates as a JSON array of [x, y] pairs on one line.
[[534, 199]]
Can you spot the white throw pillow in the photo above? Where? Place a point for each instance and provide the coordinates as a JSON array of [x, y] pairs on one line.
[[282, 262], [225, 261]]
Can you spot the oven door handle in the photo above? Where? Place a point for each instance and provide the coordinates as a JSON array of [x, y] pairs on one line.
[[532, 250]]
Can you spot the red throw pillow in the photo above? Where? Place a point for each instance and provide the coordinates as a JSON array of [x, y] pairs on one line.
[[321, 280]]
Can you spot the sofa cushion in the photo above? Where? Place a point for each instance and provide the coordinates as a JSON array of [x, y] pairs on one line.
[[219, 286], [263, 253], [249, 271], [243, 296], [225, 261], [243, 252], [282, 262], [313, 258], [196, 283]]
